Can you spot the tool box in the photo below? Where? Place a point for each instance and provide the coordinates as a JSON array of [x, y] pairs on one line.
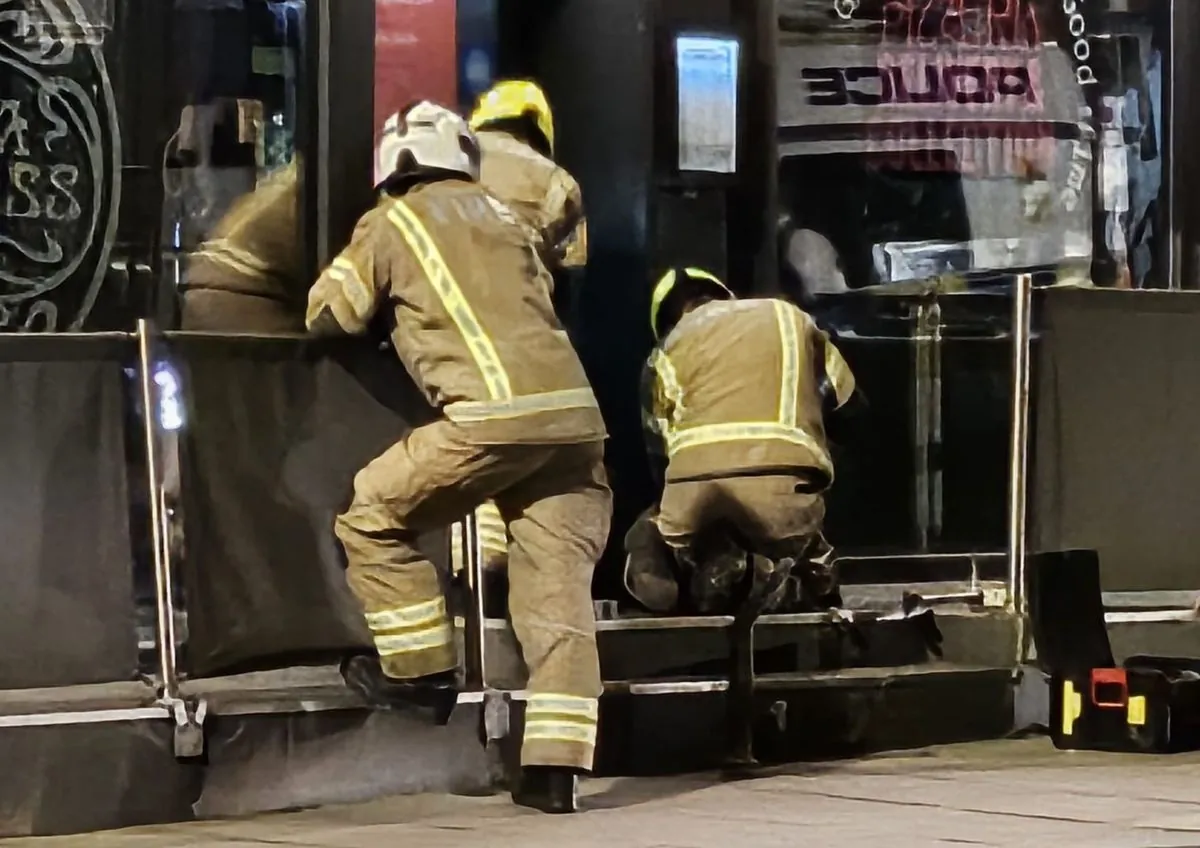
[[1146, 704]]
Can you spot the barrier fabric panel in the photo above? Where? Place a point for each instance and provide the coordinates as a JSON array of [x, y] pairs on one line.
[[1115, 465], [276, 430], [66, 585]]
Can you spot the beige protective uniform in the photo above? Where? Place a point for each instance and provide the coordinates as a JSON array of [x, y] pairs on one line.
[[247, 277], [475, 328], [546, 198], [733, 398], [542, 194]]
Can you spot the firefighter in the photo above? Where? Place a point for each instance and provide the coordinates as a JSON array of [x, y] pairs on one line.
[[735, 393], [515, 128], [468, 307], [247, 276]]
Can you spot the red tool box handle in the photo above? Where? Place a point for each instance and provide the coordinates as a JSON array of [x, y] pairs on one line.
[[1110, 677]]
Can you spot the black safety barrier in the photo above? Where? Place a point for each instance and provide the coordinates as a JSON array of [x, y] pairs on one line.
[[66, 589], [878, 447], [274, 431], [1116, 466]]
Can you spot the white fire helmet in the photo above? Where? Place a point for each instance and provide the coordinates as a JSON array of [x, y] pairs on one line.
[[433, 138]]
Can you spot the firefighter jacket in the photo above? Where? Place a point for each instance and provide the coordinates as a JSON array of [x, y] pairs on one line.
[[254, 250], [542, 194], [738, 387], [470, 311]]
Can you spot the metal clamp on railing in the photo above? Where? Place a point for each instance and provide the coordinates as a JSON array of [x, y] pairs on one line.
[[189, 717]]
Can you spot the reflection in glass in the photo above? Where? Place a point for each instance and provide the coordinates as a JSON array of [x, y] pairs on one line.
[[231, 175], [969, 137]]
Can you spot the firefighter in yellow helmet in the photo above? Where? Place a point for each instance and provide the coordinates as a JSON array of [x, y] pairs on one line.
[[515, 128], [471, 319], [734, 398], [247, 276]]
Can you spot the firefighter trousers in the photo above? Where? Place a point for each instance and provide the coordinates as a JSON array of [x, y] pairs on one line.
[[557, 504], [702, 530]]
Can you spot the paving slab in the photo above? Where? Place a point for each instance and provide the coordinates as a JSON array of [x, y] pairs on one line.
[[1010, 793]]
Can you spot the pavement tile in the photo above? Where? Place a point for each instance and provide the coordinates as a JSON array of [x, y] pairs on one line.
[[989, 794]]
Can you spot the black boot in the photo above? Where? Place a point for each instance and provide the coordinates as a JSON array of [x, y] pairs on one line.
[[434, 693], [550, 789]]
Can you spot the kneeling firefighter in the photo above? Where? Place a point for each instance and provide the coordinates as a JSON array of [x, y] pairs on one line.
[[470, 316], [515, 128], [735, 394]]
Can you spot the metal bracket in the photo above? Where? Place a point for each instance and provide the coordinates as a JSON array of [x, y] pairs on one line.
[[495, 717], [497, 712], [995, 597], [189, 726]]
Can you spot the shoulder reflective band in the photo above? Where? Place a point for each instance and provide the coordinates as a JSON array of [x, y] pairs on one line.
[[790, 372], [669, 381], [451, 296]]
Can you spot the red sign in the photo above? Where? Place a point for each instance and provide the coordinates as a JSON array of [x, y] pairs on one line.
[[980, 22], [416, 54]]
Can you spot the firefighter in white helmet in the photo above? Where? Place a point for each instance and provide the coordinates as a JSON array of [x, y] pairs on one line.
[[470, 315], [734, 398], [515, 128]]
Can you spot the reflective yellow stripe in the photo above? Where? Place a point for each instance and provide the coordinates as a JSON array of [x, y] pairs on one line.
[[784, 428], [224, 252], [493, 532], [588, 708], [669, 381], [468, 411], [561, 718], [410, 616], [453, 300], [560, 731], [790, 341], [712, 434], [360, 298], [426, 639], [839, 374]]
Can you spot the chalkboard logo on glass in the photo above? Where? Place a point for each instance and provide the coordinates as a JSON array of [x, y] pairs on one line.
[[59, 165]]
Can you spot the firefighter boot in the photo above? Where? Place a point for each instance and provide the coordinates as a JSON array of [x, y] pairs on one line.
[[436, 694], [650, 567], [550, 789]]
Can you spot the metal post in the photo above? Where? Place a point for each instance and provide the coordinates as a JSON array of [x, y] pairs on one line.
[[922, 366], [1018, 483], [163, 579], [474, 630]]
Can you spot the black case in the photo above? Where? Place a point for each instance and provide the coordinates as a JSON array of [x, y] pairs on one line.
[[1146, 705]]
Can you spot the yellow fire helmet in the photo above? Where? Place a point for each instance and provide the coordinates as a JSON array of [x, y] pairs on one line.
[[694, 278], [509, 99]]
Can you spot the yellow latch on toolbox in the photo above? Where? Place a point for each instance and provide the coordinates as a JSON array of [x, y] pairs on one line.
[[1072, 706], [1136, 712]]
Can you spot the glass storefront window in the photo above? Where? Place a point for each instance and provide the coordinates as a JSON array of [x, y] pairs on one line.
[[973, 138], [59, 164], [231, 177]]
